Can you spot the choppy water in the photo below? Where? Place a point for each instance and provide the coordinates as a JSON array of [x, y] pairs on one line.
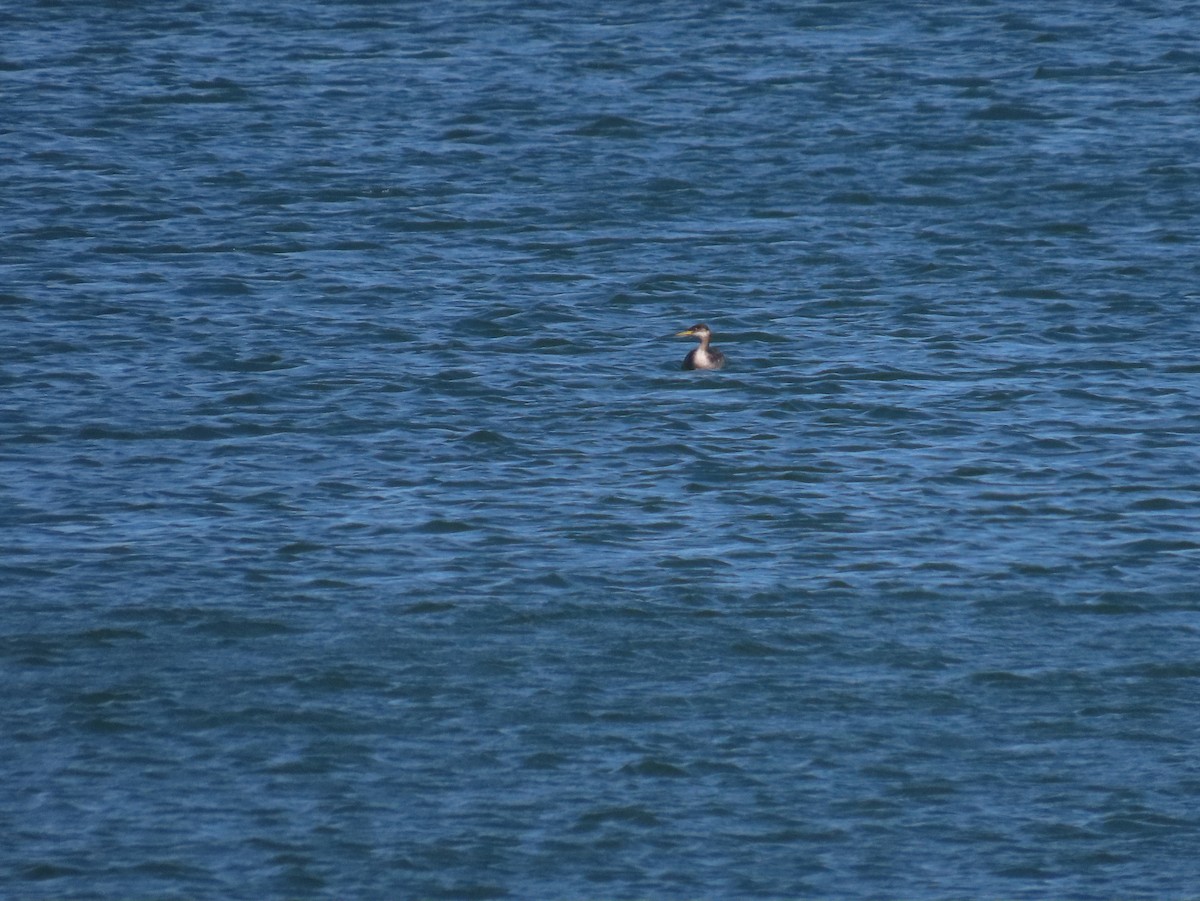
[[362, 537]]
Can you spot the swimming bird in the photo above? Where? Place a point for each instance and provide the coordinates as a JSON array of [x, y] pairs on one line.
[[703, 357]]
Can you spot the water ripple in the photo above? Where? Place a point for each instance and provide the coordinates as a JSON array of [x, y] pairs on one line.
[[364, 536]]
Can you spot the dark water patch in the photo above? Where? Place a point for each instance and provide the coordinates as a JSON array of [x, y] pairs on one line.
[[42, 871], [220, 91], [612, 126], [446, 527], [240, 628], [106, 725], [654, 769], [108, 637], [489, 438], [297, 549], [221, 362], [424, 607]]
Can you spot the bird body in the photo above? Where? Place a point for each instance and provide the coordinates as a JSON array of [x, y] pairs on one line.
[[703, 357]]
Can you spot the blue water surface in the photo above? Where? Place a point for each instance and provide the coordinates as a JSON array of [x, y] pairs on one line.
[[363, 538]]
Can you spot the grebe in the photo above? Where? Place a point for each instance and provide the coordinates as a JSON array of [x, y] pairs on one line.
[[703, 357]]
